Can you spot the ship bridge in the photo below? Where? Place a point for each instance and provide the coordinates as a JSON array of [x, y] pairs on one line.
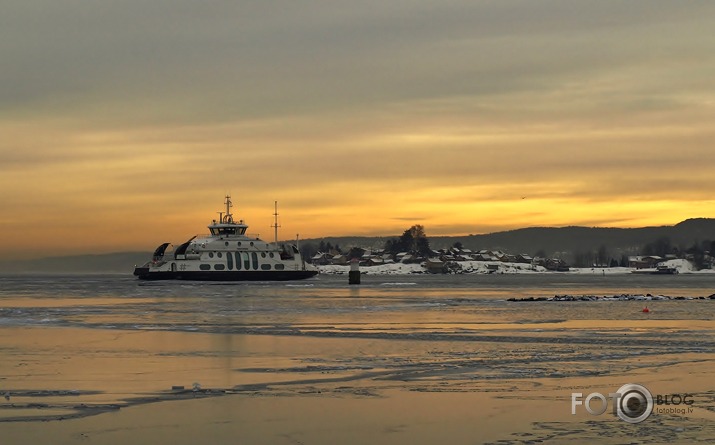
[[226, 226]]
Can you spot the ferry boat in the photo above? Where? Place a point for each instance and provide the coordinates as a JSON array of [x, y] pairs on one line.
[[227, 254]]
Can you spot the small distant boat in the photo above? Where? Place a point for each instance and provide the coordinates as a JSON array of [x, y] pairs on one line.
[[227, 254]]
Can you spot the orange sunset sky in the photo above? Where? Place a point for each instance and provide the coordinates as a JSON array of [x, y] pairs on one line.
[[123, 124]]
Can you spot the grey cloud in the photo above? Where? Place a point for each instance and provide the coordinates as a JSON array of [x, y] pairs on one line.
[[190, 61]]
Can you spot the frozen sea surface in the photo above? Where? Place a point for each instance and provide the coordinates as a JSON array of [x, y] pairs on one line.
[[414, 303], [422, 334]]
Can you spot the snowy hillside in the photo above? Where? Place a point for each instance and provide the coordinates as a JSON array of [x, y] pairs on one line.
[[485, 267]]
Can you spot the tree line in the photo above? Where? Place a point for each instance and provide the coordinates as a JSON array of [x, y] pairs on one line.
[[414, 241], [662, 247]]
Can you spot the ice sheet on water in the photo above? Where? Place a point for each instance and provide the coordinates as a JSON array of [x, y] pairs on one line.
[[399, 284]]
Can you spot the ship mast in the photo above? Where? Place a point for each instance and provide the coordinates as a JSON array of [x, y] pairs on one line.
[[275, 222], [228, 217]]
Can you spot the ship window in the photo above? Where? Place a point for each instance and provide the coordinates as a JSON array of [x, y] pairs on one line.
[[280, 266], [254, 255], [225, 231], [246, 261], [205, 267], [219, 266], [251, 242], [219, 254], [238, 244], [265, 266], [229, 260], [226, 243], [271, 255], [211, 254], [238, 261], [263, 254]]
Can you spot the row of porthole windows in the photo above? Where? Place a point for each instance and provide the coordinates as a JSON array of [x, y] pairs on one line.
[[237, 244], [226, 243], [222, 267], [220, 254]]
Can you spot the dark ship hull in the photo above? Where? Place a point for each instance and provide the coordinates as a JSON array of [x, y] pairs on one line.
[[143, 273]]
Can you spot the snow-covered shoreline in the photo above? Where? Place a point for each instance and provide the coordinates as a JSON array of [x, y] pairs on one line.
[[496, 267]]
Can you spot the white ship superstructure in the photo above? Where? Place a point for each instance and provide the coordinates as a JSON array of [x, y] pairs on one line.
[[226, 254]]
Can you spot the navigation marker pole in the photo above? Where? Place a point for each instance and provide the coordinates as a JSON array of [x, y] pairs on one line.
[[354, 274]]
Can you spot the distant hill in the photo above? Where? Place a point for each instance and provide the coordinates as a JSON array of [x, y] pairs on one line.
[[569, 240], [564, 241]]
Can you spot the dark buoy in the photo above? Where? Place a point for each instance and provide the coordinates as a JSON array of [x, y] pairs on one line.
[[354, 274]]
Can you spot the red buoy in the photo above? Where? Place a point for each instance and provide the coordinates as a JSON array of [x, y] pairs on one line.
[[645, 309]]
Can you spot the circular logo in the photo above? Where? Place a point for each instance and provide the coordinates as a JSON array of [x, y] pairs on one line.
[[635, 403]]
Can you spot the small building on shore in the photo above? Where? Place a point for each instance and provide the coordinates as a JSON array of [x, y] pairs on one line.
[[435, 265], [644, 262]]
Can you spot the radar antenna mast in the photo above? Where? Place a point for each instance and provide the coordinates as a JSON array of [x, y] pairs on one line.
[[228, 218], [275, 222]]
